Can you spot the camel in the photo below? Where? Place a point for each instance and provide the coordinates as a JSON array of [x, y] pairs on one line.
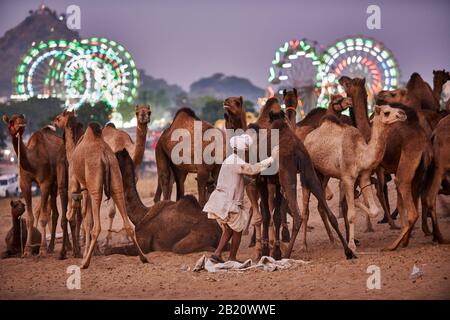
[[440, 165], [37, 162], [312, 119], [180, 227], [93, 167], [185, 119], [118, 139], [407, 155], [440, 77], [62, 167], [17, 236], [344, 154], [290, 99], [422, 91], [294, 159]]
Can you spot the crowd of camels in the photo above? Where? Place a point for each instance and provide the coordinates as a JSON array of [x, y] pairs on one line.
[[406, 139]]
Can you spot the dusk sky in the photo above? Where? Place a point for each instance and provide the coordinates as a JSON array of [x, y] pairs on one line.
[[182, 41]]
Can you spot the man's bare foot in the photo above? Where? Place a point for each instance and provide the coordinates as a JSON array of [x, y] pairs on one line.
[[216, 258]]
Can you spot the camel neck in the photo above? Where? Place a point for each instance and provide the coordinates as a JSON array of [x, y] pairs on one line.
[[360, 113], [376, 146], [139, 146], [16, 230], [70, 137], [23, 158], [437, 91], [135, 208]]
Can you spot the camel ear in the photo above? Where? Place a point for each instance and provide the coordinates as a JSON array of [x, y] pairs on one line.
[[135, 108], [241, 98], [284, 93], [377, 110], [295, 91], [5, 119], [434, 72]]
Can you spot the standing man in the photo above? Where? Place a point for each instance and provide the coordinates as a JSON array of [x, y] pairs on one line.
[[226, 202]]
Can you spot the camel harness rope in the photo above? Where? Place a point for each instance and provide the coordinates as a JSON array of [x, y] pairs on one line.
[[18, 181]]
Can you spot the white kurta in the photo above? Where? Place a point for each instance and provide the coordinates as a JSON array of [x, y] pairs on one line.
[[226, 202]]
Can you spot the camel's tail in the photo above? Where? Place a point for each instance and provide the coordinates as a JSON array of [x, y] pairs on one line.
[[106, 176], [309, 178]]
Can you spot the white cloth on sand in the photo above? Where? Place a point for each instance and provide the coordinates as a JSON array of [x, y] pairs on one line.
[[265, 263]]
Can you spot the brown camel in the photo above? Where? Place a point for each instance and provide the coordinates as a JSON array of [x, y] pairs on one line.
[[440, 77], [17, 236], [61, 121], [37, 161], [118, 139], [344, 154], [180, 227], [407, 155], [290, 99], [184, 123], [421, 90], [312, 119], [94, 167], [436, 173]]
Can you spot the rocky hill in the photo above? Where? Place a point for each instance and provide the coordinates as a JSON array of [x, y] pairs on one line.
[[40, 25], [220, 86]]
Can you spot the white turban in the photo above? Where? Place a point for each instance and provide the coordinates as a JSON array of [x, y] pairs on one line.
[[241, 142]]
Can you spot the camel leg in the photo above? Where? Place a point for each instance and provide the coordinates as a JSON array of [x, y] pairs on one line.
[[43, 218], [366, 189], [349, 186], [252, 194], [429, 204], [62, 191], [87, 223], [96, 198], [323, 215], [271, 198], [25, 186], [285, 235], [120, 203], [291, 196], [306, 195], [342, 202], [55, 216], [262, 188], [383, 197], [202, 185], [276, 250], [111, 215]]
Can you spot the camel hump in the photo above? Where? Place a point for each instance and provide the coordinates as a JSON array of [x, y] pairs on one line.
[[332, 119], [187, 111], [96, 128], [189, 199], [110, 125]]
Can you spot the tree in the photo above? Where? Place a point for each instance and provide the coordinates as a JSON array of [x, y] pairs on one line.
[[212, 110]]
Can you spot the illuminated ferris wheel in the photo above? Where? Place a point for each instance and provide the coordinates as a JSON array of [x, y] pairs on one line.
[[296, 65], [75, 71], [363, 58]]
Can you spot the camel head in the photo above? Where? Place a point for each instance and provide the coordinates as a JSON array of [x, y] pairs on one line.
[[62, 119], [17, 208], [273, 108], [353, 86], [339, 103], [388, 115], [290, 98], [440, 77], [391, 96], [16, 125], [143, 114], [234, 113]]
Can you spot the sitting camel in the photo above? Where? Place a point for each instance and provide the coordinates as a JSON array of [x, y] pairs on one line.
[[180, 227], [344, 154], [17, 236], [94, 168]]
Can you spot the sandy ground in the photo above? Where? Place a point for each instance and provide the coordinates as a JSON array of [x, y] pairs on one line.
[[328, 276]]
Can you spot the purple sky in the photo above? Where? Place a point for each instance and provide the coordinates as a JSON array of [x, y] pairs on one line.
[[184, 40]]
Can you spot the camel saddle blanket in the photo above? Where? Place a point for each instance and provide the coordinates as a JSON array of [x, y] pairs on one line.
[[265, 263]]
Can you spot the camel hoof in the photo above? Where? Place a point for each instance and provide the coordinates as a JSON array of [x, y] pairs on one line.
[[276, 252], [62, 256], [384, 220], [42, 254], [84, 265], [349, 254], [27, 254], [285, 236], [144, 259], [265, 250]]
